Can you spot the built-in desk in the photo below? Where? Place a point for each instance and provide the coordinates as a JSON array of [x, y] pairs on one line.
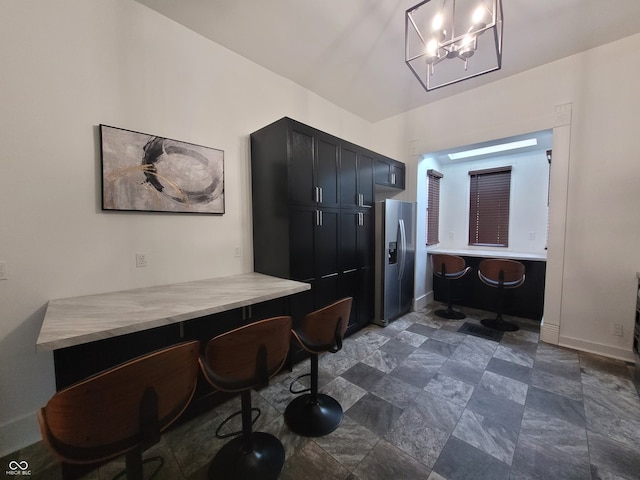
[[526, 301], [94, 332]]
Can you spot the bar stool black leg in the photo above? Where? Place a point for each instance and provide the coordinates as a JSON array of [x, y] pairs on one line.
[[313, 414], [251, 456]]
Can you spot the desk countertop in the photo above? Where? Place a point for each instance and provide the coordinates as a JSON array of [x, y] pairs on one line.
[[78, 320], [489, 254]]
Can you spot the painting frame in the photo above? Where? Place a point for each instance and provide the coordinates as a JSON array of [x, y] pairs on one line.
[[142, 172]]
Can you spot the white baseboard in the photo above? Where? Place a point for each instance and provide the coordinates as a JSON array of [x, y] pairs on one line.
[[19, 433], [422, 301], [597, 348], [549, 333]]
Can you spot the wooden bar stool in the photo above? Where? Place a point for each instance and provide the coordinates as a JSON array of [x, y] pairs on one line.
[[449, 268], [123, 410], [501, 274], [315, 414], [239, 361]]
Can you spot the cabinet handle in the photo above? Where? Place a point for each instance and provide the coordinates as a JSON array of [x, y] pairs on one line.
[[316, 194], [320, 189], [319, 218], [360, 218], [393, 178], [330, 275], [360, 200], [351, 270]]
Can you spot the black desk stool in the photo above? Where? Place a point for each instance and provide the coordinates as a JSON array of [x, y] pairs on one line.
[[239, 361], [501, 274], [316, 414], [449, 268], [122, 410]]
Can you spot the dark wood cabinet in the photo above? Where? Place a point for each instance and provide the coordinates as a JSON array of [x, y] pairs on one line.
[[356, 263], [389, 173], [312, 168], [356, 177], [312, 201]]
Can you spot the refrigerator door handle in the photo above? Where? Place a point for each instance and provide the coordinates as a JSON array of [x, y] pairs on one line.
[[402, 249]]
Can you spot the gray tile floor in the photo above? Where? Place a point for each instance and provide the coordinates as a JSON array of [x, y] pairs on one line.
[[423, 401]]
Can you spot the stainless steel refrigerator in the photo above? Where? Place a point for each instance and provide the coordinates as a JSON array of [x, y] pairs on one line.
[[395, 259]]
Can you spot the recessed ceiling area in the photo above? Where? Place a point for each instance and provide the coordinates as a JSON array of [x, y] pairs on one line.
[[543, 142], [352, 52]]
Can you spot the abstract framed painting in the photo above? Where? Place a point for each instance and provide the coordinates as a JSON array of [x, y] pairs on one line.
[[147, 173]]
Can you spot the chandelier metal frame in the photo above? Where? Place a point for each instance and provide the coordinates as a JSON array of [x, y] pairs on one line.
[[426, 47]]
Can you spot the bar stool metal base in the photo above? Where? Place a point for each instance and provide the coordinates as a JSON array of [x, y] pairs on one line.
[[263, 462], [313, 419], [450, 314], [499, 324]]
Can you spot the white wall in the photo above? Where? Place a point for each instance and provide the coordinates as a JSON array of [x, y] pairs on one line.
[[527, 208], [68, 66], [591, 101]]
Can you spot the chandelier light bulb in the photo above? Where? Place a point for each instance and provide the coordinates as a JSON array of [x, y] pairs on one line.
[[477, 18], [436, 23], [467, 47], [432, 50], [478, 14]]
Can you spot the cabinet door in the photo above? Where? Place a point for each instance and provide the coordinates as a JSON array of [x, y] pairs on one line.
[[365, 179], [389, 173], [349, 255], [302, 188], [366, 301], [365, 239], [326, 243], [326, 171], [301, 254], [349, 288], [348, 177], [398, 175]]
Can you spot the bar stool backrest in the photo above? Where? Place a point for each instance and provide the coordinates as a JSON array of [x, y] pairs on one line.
[[249, 356], [323, 330], [501, 273], [449, 266], [122, 408]]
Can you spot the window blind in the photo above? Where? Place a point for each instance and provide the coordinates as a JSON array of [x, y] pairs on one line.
[[433, 207], [490, 191]]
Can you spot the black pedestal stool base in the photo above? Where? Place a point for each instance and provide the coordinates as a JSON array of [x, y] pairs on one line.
[[313, 419], [263, 462]]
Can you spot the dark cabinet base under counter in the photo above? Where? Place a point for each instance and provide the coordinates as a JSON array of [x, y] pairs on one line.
[[526, 301]]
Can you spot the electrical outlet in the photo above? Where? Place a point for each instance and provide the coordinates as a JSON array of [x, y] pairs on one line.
[[532, 235], [4, 274], [616, 329], [141, 260]]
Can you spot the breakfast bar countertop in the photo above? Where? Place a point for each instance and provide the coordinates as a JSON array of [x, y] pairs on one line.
[[489, 254], [74, 321]]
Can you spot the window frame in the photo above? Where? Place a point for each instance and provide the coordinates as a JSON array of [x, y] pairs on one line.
[[433, 207], [489, 199]]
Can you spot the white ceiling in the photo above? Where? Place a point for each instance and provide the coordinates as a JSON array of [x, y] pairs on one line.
[[351, 52]]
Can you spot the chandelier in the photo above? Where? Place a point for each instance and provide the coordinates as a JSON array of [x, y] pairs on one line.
[[447, 41]]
